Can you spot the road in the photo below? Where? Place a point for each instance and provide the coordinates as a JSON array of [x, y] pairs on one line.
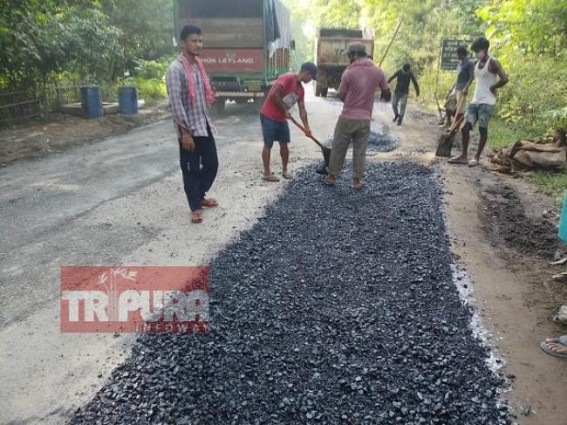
[[120, 202], [115, 202]]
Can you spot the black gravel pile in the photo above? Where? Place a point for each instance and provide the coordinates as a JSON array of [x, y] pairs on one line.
[[382, 142], [376, 142], [338, 307]]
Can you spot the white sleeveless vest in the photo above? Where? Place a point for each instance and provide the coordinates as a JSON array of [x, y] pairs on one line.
[[484, 80]]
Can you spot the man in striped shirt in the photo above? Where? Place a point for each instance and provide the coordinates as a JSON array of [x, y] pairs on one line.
[[190, 94]]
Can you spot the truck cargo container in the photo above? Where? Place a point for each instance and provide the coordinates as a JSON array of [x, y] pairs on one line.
[[246, 44], [330, 54]]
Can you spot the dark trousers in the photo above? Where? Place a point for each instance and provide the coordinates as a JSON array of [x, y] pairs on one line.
[[199, 169]]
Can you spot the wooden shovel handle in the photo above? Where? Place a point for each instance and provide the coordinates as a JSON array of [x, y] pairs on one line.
[[293, 120], [457, 124]]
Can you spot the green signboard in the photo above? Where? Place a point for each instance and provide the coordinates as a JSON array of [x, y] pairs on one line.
[[449, 60]]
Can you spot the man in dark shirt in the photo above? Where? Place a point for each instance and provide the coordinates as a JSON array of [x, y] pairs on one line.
[[401, 92], [465, 75]]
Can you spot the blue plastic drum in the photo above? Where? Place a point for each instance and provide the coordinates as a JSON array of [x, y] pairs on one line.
[[91, 102], [128, 100]]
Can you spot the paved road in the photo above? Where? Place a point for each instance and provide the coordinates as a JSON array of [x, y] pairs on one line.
[[45, 205], [115, 202]]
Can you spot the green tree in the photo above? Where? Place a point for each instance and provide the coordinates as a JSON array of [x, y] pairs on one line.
[[536, 27], [302, 33], [336, 13], [40, 39], [94, 40], [530, 40], [146, 31]]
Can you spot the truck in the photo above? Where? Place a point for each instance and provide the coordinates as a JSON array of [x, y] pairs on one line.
[[330, 55], [246, 44]]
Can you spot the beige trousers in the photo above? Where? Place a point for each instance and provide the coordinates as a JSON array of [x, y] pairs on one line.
[[346, 131], [461, 101]]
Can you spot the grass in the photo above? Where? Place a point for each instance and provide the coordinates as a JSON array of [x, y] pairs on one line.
[[552, 184], [501, 134]]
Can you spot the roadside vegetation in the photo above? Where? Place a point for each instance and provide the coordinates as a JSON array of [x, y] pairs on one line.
[[52, 44], [529, 38]]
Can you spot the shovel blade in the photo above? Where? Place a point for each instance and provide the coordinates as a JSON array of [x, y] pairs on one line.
[[445, 145], [326, 155]]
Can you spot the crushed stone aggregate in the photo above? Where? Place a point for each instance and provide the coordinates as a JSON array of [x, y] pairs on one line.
[[337, 307]]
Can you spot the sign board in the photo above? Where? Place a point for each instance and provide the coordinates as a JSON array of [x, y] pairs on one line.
[[449, 60], [233, 60]]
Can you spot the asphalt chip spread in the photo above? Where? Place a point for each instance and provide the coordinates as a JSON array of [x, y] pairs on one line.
[[337, 307], [382, 142]]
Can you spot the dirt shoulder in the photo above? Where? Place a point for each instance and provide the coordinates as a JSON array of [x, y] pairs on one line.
[[56, 132], [504, 237]]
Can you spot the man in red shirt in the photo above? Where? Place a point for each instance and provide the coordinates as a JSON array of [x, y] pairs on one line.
[[285, 93], [358, 84]]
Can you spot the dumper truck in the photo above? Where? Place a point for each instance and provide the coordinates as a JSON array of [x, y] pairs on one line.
[[246, 44], [331, 58]]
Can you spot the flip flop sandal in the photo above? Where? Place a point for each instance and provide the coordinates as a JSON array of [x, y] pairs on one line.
[[209, 202], [560, 277], [457, 160], [270, 178], [286, 175], [473, 163], [357, 185], [330, 181], [196, 217], [561, 316], [558, 262], [562, 340]]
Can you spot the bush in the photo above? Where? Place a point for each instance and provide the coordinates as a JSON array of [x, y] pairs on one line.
[[152, 69], [151, 90], [535, 96], [149, 80]]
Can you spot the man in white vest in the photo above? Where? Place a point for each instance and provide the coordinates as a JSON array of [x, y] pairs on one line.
[[489, 77]]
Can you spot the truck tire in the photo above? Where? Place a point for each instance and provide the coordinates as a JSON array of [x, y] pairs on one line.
[[324, 91]]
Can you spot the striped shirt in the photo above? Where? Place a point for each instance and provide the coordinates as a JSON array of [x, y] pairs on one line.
[[192, 116]]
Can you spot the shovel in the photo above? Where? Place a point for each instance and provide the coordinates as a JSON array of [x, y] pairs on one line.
[[326, 151], [439, 109], [446, 140]]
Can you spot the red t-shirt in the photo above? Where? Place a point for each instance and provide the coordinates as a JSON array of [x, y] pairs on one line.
[[292, 93]]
